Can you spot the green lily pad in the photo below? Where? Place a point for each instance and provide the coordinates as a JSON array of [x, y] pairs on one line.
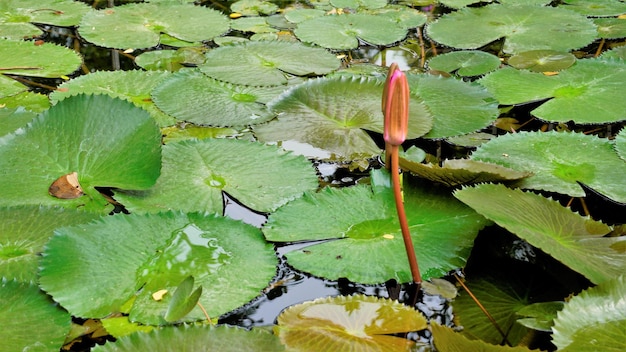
[[253, 7], [116, 265], [195, 338], [13, 118], [30, 101], [620, 144], [189, 131], [46, 60], [332, 113], [267, 63], [473, 108], [191, 96], [170, 60], [252, 24], [18, 16], [457, 4], [501, 301], [558, 160], [302, 14], [364, 224], [23, 232], [596, 8], [30, 320], [574, 240], [456, 172], [356, 4], [196, 172], [542, 60], [404, 16], [618, 52], [524, 27], [107, 142], [539, 316], [611, 28], [141, 25], [361, 323], [465, 63], [9, 86], [584, 93], [133, 86], [446, 340], [343, 32], [594, 320], [122, 326]]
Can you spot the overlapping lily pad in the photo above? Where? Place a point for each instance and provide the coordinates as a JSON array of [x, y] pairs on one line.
[[332, 113], [196, 338], [574, 240], [196, 172], [141, 25], [523, 27], [46, 60], [542, 60], [611, 28], [192, 96], [134, 86], [23, 232], [116, 264], [597, 8], [30, 321], [584, 93], [170, 60], [558, 161], [267, 63], [18, 16], [343, 32], [342, 323], [595, 320], [13, 118], [364, 235], [108, 142], [446, 340], [465, 63]]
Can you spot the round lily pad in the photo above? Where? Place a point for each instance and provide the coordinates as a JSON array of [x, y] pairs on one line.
[[192, 96], [18, 16], [27, 59], [542, 60], [465, 63], [116, 265], [355, 4], [361, 222], [267, 63], [524, 27], [597, 8], [404, 16], [558, 160], [253, 7], [13, 118], [196, 172], [170, 60], [343, 32], [342, 323], [30, 321], [140, 25], [108, 142], [133, 86], [611, 28]]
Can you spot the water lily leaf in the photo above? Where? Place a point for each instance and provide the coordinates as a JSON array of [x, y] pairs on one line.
[[97, 268], [184, 299], [30, 101], [107, 142], [542, 60], [603, 207], [266, 63], [343, 323], [253, 7], [501, 301], [583, 93], [404, 16], [457, 4], [446, 340], [122, 326], [191, 96], [13, 118], [465, 63], [170, 60], [252, 24], [472, 108], [570, 238], [332, 113], [364, 225], [524, 27], [9, 86], [558, 161], [195, 173], [620, 144], [597, 8], [355, 4], [46, 60], [301, 14], [140, 25], [593, 320], [30, 321], [23, 232], [189, 131], [195, 338], [343, 32], [611, 28], [540, 315], [456, 172], [18, 16], [133, 86]]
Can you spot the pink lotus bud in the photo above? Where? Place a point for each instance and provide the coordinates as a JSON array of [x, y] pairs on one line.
[[396, 106]]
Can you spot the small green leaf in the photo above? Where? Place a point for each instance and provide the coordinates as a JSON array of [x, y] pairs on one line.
[[542, 60], [27, 59], [18, 16], [465, 63], [540, 316], [183, 300]]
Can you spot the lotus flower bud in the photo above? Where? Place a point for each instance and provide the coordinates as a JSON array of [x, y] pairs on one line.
[[396, 106]]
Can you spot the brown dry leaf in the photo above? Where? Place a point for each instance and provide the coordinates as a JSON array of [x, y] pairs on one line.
[[66, 187]]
